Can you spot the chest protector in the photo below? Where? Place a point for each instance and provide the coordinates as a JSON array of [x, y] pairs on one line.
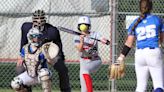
[[31, 62]]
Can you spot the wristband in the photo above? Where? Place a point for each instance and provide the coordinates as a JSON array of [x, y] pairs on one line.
[[125, 50]]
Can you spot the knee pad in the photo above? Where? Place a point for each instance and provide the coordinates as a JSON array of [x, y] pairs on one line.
[[45, 78], [17, 83], [158, 90], [44, 74]]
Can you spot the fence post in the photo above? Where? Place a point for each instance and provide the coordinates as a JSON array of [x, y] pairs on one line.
[[113, 15]]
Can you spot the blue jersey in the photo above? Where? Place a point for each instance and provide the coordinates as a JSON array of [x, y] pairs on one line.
[[41, 57], [147, 31]]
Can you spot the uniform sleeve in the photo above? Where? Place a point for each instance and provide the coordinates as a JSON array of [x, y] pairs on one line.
[[55, 36], [57, 39], [130, 32], [99, 36], [22, 52], [23, 37], [41, 56], [76, 40], [43, 60]]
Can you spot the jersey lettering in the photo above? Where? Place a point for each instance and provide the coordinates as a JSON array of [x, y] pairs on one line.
[[146, 32]]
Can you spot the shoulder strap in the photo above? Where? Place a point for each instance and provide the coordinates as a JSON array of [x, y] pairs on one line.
[[26, 48]]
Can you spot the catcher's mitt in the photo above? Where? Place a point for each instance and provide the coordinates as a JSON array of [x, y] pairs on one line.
[[50, 50], [117, 70]]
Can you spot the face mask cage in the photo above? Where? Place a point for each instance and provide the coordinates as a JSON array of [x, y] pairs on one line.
[[38, 22], [39, 19]]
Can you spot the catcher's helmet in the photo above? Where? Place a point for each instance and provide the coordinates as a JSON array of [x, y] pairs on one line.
[[39, 19], [34, 33], [145, 6], [84, 20]]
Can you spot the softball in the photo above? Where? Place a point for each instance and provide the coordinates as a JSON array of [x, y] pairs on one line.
[[83, 27]]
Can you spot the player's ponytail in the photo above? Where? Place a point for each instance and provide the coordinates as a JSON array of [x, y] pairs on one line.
[[142, 16], [145, 8]]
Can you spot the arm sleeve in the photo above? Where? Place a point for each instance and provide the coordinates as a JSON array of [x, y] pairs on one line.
[[58, 39]]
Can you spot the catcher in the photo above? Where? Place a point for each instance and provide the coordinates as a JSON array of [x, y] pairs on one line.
[[35, 58], [146, 30]]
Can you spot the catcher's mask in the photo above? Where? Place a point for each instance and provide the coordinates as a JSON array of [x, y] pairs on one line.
[[145, 6], [39, 19], [85, 22], [34, 36]]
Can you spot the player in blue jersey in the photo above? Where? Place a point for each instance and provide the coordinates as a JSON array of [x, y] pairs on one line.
[[35, 63], [148, 32]]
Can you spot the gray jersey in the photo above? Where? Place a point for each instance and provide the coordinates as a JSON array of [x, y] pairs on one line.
[[89, 61], [90, 45]]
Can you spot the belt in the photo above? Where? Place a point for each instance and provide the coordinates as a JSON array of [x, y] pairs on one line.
[[89, 57], [148, 47]]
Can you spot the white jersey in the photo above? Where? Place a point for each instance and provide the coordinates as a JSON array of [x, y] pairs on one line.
[[89, 61], [90, 45]]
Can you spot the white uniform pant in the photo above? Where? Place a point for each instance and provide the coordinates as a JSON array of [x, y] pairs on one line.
[[27, 80], [86, 67], [148, 61]]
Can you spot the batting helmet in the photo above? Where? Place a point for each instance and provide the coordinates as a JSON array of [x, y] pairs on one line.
[[145, 6], [39, 19], [84, 21]]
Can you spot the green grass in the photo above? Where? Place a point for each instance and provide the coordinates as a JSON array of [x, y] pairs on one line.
[[100, 79], [35, 90]]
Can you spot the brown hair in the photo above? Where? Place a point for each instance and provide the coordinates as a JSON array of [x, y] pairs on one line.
[[145, 7]]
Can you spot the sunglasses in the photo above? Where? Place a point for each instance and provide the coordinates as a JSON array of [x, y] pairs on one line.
[[35, 36]]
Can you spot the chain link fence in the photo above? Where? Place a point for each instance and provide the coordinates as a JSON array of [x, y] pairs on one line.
[[13, 13]]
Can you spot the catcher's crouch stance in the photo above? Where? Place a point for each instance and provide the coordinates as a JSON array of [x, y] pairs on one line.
[[35, 61]]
